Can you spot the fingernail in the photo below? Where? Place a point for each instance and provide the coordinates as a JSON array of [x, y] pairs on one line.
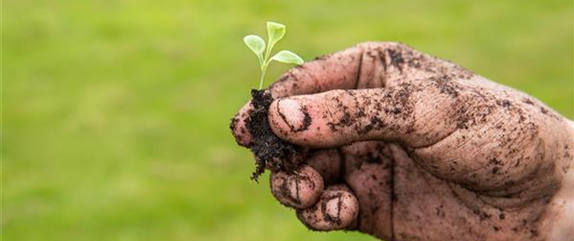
[[294, 189], [331, 208], [290, 112]]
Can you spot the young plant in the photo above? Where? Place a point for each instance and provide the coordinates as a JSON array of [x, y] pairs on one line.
[[275, 32]]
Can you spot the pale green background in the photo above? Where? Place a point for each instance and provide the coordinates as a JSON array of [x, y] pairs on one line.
[[116, 112]]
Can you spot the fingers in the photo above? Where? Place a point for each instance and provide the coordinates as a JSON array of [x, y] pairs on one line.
[[238, 126], [337, 209], [303, 188], [366, 65], [298, 190], [336, 71], [339, 117]]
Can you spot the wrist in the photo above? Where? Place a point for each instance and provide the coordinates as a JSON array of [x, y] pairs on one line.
[[560, 215]]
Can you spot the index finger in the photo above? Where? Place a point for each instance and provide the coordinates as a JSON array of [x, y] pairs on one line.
[[335, 71]]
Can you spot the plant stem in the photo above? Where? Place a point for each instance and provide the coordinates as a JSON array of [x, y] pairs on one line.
[[266, 62], [263, 70]]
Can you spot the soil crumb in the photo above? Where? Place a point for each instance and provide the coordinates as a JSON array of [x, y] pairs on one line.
[[269, 150]]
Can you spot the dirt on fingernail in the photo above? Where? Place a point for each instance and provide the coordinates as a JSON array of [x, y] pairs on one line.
[[270, 151]]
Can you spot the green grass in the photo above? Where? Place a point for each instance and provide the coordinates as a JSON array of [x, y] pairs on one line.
[[116, 112]]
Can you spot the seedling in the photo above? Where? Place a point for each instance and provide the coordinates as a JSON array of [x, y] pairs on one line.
[[275, 32], [270, 151]]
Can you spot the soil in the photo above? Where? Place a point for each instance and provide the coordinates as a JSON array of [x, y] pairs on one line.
[[270, 151]]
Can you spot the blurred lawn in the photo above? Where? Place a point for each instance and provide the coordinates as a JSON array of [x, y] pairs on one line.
[[116, 112]]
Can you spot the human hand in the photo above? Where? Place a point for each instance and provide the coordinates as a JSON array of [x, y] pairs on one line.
[[405, 146]]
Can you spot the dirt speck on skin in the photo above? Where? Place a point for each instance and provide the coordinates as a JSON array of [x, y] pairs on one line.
[[269, 150]]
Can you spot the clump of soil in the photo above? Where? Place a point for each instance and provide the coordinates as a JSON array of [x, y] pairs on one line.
[[270, 151]]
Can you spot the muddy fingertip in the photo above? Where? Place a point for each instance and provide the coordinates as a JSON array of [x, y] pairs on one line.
[[298, 190], [336, 210], [238, 126]]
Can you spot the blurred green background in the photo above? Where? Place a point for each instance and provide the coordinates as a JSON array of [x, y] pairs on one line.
[[116, 112]]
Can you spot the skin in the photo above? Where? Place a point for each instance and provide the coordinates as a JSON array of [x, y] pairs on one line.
[[406, 146]]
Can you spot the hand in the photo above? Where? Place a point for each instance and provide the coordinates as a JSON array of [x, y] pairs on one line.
[[406, 146]]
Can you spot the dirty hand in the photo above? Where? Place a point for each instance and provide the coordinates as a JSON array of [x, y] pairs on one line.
[[406, 146]]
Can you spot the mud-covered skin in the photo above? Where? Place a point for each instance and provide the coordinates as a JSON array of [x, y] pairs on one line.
[[336, 209], [300, 190], [452, 156]]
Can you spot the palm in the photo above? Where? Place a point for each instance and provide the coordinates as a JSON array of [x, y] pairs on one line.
[[450, 183]]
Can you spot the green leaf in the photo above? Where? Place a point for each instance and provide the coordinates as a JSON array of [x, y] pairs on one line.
[[288, 57], [255, 43], [275, 32]]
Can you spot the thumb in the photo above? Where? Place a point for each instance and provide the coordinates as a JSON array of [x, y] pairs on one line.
[[414, 114]]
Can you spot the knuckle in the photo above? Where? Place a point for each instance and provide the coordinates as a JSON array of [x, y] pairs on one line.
[[380, 46]]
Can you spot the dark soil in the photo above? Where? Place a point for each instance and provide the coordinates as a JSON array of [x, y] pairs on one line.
[[270, 151]]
